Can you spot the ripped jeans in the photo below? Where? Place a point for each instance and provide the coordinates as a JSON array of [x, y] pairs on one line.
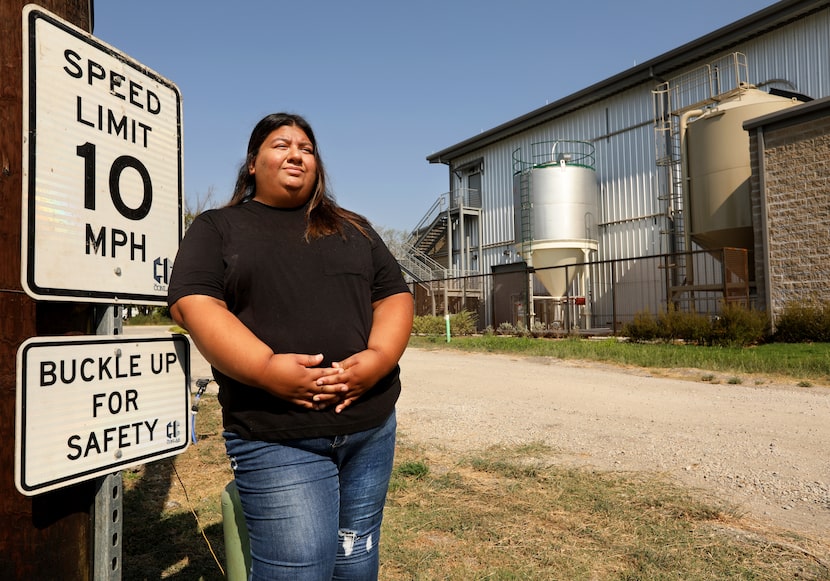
[[314, 506]]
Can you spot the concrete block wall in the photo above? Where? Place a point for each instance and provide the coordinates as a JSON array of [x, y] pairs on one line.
[[790, 188]]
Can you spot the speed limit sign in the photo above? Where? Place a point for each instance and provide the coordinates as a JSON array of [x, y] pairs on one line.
[[102, 164]]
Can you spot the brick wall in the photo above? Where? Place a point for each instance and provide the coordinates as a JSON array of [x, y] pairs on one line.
[[796, 192]]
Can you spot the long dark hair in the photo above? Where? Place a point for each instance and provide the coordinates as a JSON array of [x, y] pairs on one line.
[[323, 215]]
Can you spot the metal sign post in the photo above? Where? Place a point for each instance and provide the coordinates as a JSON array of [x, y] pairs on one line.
[[106, 515]]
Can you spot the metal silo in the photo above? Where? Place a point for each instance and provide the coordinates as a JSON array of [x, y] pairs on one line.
[[717, 167], [557, 210]]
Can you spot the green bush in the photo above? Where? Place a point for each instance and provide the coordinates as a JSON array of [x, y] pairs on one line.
[[642, 328], [428, 325], [738, 326], [734, 326], [506, 328], [804, 323], [679, 325], [463, 323]]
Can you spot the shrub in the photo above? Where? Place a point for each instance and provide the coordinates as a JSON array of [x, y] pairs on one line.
[[735, 326], [642, 328], [506, 328], [428, 325], [463, 323], [738, 326], [691, 327], [804, 323]]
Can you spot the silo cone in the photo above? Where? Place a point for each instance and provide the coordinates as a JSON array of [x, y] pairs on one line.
[[237, 544], [558, 253]]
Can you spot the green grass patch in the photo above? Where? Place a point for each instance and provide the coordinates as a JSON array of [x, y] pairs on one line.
[[801, 361]]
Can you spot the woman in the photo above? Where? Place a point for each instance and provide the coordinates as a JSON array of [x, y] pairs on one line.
[[303, 314]]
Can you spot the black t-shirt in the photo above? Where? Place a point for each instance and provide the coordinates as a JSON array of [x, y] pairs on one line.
[[297, 296]]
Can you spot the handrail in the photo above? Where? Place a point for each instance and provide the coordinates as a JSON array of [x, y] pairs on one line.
[[559, 151], [437, 207], [425, 259], [413, 269], [418, 265], [461, 197]]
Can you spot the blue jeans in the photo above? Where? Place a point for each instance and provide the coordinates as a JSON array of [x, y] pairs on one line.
[[314, 506]]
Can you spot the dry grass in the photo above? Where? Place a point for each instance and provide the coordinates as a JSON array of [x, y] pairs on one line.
[[497, 514], [162, 538], [515, 514]]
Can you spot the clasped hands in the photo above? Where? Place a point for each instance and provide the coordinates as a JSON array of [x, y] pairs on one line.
[[295, 378]]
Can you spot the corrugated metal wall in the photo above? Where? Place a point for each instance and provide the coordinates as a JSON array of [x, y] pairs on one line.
[[633, 221]]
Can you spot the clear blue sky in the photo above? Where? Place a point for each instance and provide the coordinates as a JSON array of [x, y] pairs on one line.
[[385, 83]]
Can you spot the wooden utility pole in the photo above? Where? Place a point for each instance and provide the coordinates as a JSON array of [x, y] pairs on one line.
[[46, 536]]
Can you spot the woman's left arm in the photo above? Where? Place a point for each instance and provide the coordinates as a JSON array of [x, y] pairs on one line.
[[391, 327]]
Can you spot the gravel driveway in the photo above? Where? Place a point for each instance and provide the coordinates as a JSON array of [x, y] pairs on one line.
[[762, 446]]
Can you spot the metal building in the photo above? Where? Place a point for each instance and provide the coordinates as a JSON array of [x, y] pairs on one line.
[[638, 182]]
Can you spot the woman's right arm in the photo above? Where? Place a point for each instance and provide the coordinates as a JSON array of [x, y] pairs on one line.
[[233, 349]]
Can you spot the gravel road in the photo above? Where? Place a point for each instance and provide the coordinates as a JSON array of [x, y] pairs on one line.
[[760, 445]]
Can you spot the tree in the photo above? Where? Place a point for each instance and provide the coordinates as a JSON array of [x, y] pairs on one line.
[[201, 204], [396, 240]]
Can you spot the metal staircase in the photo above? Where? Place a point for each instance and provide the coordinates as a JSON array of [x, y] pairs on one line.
[[432, 236], [419, 265], [413, 254], [432, 227]]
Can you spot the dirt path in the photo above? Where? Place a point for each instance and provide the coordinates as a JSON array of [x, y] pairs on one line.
[[765, 448]]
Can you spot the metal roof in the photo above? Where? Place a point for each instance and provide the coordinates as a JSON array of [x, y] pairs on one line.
[[655, 70], [817, 108]]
